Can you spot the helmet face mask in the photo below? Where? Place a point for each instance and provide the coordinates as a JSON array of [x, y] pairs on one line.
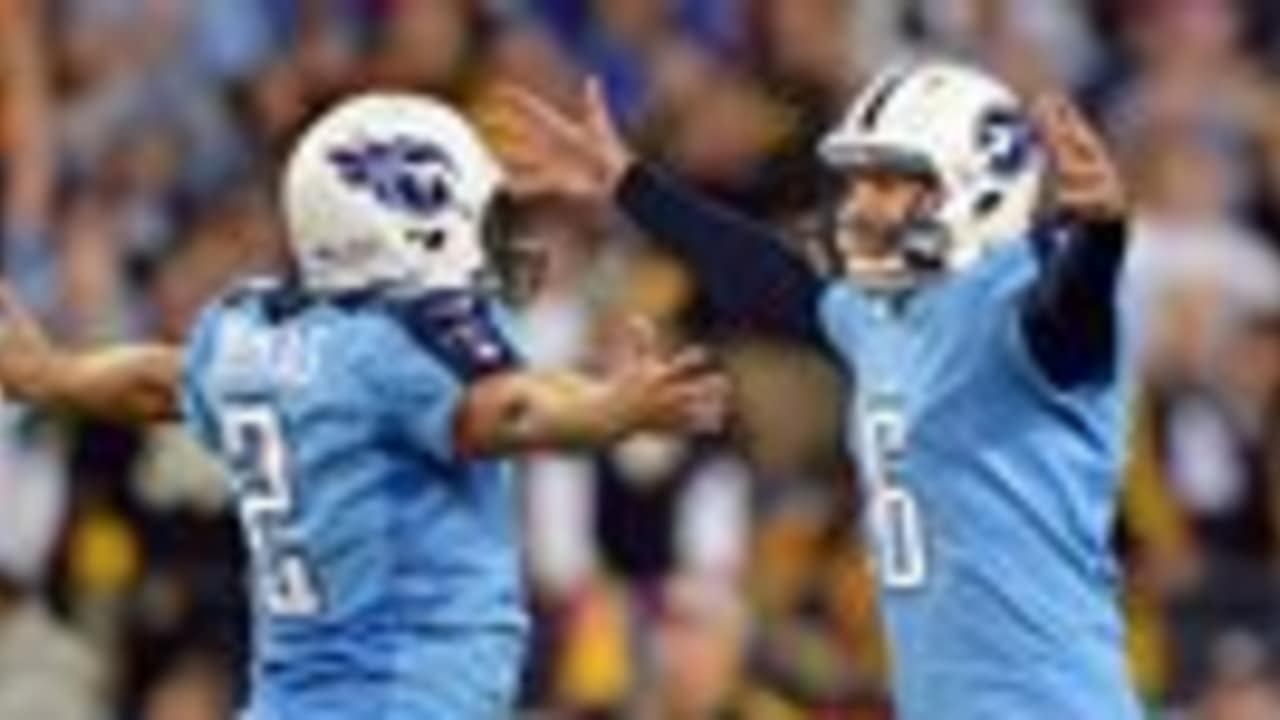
[[885, 219], [517, 259], [963, 135]]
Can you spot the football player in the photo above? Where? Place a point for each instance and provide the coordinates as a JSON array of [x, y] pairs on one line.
[[362, 407], [987, 353]]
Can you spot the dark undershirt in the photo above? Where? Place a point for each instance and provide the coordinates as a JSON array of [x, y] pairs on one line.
[[753, 283], [1070, 315]]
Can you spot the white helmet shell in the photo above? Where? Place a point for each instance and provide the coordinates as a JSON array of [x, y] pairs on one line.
[[389, 190], [966, 130]]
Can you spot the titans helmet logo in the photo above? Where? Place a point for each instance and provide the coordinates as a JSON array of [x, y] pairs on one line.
[[1007, 140], [403, 174]]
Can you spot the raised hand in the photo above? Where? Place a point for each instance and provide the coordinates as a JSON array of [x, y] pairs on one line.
[[548, 152], [678, 393], [1084, 181]]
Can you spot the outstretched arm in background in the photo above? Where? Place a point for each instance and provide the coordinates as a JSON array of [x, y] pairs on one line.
[[499, 414], [131, 383], [27, 131], [27, 124], [125, 383], [751, 280]]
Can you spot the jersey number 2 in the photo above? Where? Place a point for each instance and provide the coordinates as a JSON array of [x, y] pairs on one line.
[[258, 456], [895, 514]]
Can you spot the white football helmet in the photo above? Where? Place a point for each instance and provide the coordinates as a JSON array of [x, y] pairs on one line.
[[964, 130], [389, 191]]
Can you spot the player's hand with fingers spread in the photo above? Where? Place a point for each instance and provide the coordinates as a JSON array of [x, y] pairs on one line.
[[1084, 181], [548, 152], [644, 390], [679, 392]]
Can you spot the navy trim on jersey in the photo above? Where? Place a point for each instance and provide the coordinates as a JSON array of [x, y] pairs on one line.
[[751, 280], [460, 330]]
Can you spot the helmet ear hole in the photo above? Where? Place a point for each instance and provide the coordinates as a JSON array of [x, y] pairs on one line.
[[430, 240], [438, 194], [436, 240], [987, 203]]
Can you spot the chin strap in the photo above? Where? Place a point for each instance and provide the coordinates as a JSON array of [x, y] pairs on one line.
[[925, 245]]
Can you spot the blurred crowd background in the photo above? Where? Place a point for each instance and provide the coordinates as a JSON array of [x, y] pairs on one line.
[[722, 578]]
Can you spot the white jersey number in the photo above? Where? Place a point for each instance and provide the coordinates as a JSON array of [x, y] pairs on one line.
[[254, 445], [896, 524]]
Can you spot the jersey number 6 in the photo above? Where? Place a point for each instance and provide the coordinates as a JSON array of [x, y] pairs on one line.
[[895, 520], [258, 457]]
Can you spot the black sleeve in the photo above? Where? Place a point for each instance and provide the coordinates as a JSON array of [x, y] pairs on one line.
[[1070, 316], [751, 280]]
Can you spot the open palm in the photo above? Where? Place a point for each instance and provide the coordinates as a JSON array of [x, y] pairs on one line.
[[1085, 181], [678, 392], [549, 153]]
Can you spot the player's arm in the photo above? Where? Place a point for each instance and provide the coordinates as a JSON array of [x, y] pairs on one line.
[[126, 383], [458, 390], [26, 121], [564, 410], [1071, 315], [751, 280]]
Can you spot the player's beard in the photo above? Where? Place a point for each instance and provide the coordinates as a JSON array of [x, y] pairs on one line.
[[870, 250]]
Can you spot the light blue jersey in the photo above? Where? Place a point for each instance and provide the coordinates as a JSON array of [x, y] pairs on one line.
[[991, 497], [385, 572]]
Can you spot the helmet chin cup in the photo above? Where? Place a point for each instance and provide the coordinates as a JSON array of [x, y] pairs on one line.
[[925, 245], [921, 250], [918, 247]]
